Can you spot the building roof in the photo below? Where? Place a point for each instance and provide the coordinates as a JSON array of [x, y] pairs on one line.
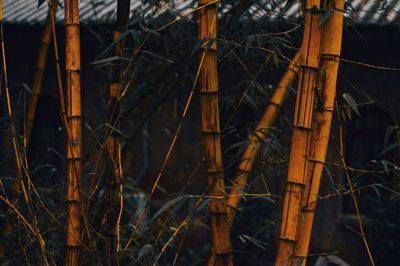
[[370, 12]]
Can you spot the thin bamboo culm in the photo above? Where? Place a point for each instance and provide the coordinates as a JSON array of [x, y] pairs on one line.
[[39, 71], [115, 181], [330, 57], [74, 147], [256, 139], [212, 134], [20, 158], [302, 125]]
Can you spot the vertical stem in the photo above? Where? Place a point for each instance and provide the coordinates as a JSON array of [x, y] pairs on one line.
[[72, 67], [212, 135], [330, 57], [39, 71], [256, 138], [302, 124], [114, 184]]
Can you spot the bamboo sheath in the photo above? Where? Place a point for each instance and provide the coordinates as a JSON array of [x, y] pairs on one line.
[[72, 67], [39, 71], [302, 124], [114, 184], [256, 139], [330, 56], [212, 134]]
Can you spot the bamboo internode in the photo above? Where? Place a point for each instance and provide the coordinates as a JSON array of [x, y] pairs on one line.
[[302, 125], [330, 57], [73, 67], [256, 139], [39, 70], [212, 135]]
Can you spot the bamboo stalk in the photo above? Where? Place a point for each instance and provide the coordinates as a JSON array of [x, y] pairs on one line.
[[302, 124], [212, 134], [256, 139], [39, 71], [330, 58], [114, 195], [72, 67]]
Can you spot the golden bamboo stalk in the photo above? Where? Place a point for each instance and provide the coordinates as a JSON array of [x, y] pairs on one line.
[[256, 139], [212, 134], [302, 124], [39, 71], [330, 57], [113, 143], [72, 67]]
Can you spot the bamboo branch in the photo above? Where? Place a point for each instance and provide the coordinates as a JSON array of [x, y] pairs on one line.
[[20, 158], [330, 57], [72, 67], [302, 125]]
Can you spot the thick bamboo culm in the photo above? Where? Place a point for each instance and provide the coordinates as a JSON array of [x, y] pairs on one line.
[[113, 144], [74, 147], [256, 139], [330, 56], [39, 71], [302, 125], [212, 134]]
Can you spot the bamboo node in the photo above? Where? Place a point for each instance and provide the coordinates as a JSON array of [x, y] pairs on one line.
[[330, 57], [316, 160], [212, 132], [216, 171], [223, 252], [296, 183], [302, 127], [279, 105], [209, 91], [288, 239]]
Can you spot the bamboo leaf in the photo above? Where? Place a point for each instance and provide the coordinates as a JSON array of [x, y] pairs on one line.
[[248, 43], [389, 148], [350, 100], [144, 250], [203, 204], [239, 144], [136, 35], [376, 190], [300, 261], [255, 242], [150, 31], [209, 44], [168, 205], [177, 207], [108, 60], [158, 56], [26, 87], [192, 203], [385, 166], [388, 133], [198, 45]]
